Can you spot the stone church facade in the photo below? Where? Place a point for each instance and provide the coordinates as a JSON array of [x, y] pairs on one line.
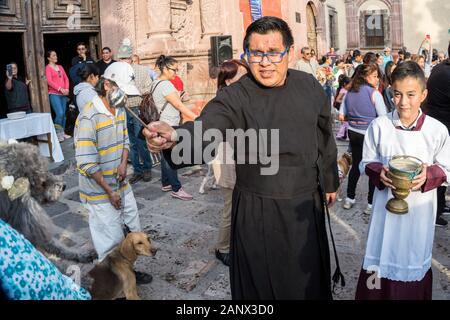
[[371, 25], [182, 28]]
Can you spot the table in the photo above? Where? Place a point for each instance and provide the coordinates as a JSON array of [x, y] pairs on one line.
[[34, 124]]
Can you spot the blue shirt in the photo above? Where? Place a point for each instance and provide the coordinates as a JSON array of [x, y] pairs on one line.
[[25, 274]]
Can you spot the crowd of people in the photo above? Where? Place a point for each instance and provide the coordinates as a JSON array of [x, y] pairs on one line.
[[273, 228]]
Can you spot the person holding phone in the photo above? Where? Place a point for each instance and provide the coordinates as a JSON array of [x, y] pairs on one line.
[[16, 90]]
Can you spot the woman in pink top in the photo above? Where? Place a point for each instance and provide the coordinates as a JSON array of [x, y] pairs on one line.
[[58, 89]]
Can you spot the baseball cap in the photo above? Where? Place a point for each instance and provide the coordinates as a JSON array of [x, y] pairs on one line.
[[123, 74]]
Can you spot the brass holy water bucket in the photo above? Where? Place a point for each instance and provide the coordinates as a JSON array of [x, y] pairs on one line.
[[402, 171]]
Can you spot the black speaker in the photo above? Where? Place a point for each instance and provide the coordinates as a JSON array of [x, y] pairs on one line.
[[221, 49]]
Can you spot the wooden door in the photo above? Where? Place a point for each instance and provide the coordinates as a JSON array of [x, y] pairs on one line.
[[311, 27], [33, 19]]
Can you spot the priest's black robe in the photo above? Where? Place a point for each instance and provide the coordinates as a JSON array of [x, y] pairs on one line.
[[279, 247]]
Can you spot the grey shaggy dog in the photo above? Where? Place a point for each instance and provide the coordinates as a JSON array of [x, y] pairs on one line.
[[26, 214]]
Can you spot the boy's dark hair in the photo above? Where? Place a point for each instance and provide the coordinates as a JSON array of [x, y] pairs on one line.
[[409, 69], [100, 86], [87, 70], [107, 48], [269, 24]]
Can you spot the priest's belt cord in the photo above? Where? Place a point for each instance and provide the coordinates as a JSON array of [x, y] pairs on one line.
[[337, 273]]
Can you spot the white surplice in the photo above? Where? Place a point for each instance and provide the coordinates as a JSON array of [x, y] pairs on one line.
[[399, 247]]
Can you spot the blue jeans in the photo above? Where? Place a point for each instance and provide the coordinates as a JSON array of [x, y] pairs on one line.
[[169, 176], [329, 92], [58, 104], [138, 147]]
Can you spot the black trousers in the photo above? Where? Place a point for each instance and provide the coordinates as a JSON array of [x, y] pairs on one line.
[[440, 200], [357, 143]]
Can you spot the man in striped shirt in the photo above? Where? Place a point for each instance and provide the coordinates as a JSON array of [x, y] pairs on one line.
[[102, 147]]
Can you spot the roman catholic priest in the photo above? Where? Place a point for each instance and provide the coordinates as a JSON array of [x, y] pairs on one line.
[[279, 245]]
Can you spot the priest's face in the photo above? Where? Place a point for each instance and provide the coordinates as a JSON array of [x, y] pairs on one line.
[[271, 71], [409, 94]]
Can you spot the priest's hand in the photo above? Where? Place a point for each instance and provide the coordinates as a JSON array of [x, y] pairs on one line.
[[159, 136], [331, 198], [420, 180], [384, 179]]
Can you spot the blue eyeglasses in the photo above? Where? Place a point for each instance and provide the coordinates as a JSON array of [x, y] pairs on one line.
[[258, 57]]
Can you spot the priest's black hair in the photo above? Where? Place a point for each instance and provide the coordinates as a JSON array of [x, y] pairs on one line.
[[409, 69], [270, 24]]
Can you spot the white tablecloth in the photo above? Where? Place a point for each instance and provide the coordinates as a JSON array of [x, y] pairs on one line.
[[34, 124]]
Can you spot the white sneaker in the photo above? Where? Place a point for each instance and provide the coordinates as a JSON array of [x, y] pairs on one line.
[[60, 136], [348, 204], [368, 210]]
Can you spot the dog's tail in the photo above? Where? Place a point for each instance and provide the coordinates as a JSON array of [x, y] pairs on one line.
[[52, 247]]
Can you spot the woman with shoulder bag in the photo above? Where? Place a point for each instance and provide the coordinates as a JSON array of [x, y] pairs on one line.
[[170, 108], [362, 104]]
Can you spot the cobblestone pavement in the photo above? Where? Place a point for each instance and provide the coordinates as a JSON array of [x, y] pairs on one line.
[[185, 232]]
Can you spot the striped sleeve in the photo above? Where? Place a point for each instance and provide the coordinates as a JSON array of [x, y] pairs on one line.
[[86, 151], [126, 139]]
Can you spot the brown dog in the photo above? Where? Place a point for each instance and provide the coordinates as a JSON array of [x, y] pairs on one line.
[[344, 165], [115, 274]]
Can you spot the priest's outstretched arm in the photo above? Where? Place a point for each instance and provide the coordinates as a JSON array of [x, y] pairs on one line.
[[221, 113]]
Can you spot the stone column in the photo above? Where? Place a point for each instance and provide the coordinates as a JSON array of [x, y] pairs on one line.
[[396, 25], [352, 24], [159, 19], [321, 29], [210, 19]]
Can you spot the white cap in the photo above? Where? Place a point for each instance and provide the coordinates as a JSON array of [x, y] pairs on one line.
[[123, 74]]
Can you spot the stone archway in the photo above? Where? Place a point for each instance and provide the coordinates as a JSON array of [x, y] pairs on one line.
[[395, 23], [311, 22]]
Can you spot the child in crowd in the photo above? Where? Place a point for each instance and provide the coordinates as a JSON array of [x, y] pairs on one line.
[[399, 247], [344, 85]]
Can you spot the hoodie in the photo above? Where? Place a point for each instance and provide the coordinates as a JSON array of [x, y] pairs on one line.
[[84, 93]]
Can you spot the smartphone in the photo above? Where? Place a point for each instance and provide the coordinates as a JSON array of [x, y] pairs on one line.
[[9, 70], [428, 37]]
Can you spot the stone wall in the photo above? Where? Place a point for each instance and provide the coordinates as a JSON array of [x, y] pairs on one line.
[[180, 28]]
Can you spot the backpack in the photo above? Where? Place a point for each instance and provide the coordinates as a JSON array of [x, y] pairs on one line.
[[148, 112]]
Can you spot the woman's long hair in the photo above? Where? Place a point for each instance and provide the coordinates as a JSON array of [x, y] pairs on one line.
[[228, 70], [363, 71], [387, 78]]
